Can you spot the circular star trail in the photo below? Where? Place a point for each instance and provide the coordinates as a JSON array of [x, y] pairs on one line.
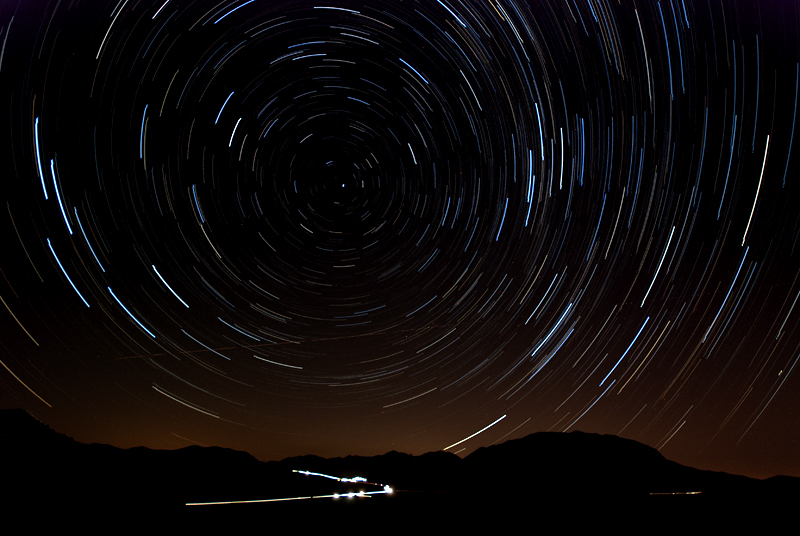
[[352, 227]]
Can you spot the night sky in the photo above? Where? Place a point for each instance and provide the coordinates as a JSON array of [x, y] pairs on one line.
[[351, 227]]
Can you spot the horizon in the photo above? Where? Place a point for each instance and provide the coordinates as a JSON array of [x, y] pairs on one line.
[[460, 455], [347, 228]]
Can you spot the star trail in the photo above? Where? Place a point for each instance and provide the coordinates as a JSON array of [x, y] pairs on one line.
[[350, 227]]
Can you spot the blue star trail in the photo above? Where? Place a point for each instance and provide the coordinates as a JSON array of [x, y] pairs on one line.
[[398, 221]]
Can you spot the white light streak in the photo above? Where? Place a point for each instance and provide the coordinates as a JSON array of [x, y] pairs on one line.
[[385, 490], [58, 195], [103, 42], [276, 363], [234, 132], [757, 192], [65, 273], [413, 69], [169, 287], [476, 433], [129, 313], [659, 265], [409, 399], [159, 10]]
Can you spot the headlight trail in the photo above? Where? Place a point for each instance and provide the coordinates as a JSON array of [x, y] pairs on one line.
[[385, 490]]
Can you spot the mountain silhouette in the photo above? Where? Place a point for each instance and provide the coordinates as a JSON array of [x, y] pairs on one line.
[[578, 477]]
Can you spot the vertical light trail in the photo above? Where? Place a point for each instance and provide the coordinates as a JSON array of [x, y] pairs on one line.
[[141, 133], [58, 195], [758, 190], [38, 155], [234, 132], [659, 267]]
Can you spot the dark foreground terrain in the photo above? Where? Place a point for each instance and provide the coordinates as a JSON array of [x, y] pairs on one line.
[[533, 484]]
